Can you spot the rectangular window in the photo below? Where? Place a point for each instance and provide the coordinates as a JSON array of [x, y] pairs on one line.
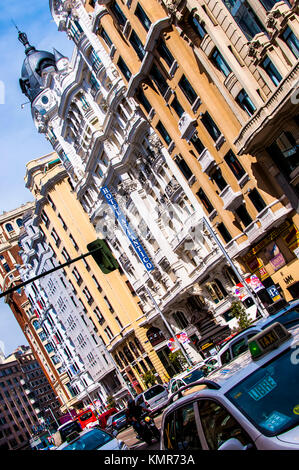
[[268, 4], [183, 166], [218, 178], [106, 38], [224, 232], [143, 100], [271, 71], [257, 200], [210, 126], [62, 222], [234, 165], [109, 304], [119, 322], [118, 13], [143, 18], [99, 316], [245, 17], [176, 105], [291, 40], [164, 134], [219, 62], [187, 89], [124, 68], [137, 45], [108, 332], [159, 79], [245, 102], [195, 140], [205, 200], [165, 53], [65, 254], [243, 215], [196, 26]]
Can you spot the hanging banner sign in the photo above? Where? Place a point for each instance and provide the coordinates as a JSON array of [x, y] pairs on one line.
[[253, 282], [181, 337], [121, 218]]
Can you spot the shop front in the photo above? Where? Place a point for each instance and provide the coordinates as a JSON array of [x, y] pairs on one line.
[[275, 261]]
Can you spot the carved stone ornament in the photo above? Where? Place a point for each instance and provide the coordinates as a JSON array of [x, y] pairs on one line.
[[253, 47], [271, 21], [171, 5]]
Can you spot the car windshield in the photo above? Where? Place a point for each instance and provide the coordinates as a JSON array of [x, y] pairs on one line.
[[152, 392], [72, 427], [92, 440], [86, 416], [193, 376], [269, 396]]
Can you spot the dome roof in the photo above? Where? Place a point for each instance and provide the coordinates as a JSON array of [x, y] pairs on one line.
[[35, 63]]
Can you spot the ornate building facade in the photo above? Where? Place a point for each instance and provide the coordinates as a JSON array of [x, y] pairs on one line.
[[218, 80], [121, 171]]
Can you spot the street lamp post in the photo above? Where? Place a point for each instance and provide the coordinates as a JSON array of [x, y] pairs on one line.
[[258, 305]]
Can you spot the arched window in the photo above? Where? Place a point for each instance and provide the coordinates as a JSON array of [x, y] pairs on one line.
[[139, 345], [19, 222], [180, 319], [128, 354], [36, 324], [9, 227], [231, 276], [133, 348], [155, 336], [118, 361], [216, 290], [123, 358]]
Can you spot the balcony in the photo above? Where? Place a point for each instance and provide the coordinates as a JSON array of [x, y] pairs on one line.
[[231, 200], [187, 126], [206, 160], [259, 129]]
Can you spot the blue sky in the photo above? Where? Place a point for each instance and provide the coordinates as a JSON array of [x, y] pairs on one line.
[[20, 142]]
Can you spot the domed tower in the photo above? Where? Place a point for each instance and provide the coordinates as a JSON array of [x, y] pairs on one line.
[[35, 63]]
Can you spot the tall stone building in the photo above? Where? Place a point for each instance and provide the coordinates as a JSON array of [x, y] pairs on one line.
[[218, 81], [105, 304], [187, 80], [25, 398], [123, 174]]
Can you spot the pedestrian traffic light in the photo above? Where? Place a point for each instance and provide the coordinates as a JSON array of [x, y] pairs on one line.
[[103, 256]]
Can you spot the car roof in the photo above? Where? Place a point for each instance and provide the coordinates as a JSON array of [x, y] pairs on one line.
[[231, 374], [187, 372], [82, 433], [263, 321]]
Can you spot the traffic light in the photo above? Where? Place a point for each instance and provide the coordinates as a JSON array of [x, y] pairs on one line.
[[103, 256]]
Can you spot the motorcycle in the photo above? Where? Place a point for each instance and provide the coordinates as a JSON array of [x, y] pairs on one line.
[[148, 430]]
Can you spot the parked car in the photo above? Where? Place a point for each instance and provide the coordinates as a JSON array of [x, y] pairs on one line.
[[287, 316], [93, 439], [185, 378], [116, 422], [87, 418], [251, 403], [66, 430], [104, 416], [154, 399]]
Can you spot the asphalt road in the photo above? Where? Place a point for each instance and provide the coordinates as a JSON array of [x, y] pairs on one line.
[[129, 437]]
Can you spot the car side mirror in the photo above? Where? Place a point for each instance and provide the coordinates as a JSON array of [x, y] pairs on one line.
[[232, 444]]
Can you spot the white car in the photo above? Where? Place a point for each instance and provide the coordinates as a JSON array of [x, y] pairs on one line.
[[154, 398], [185, 378], [287, 316], [93, 439], [251, 403]]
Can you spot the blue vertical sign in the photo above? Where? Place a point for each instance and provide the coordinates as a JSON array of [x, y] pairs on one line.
[[127, 229]]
